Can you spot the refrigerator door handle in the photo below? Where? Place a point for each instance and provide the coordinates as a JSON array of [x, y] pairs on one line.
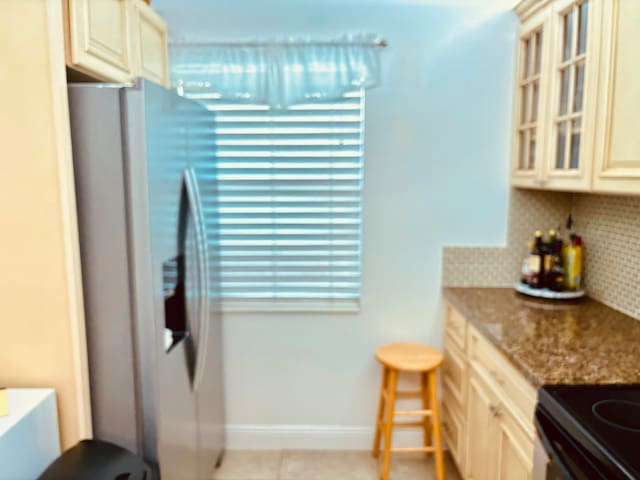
[[193, 195]]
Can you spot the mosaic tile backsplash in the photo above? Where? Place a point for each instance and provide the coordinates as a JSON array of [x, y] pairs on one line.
[[610, 226]]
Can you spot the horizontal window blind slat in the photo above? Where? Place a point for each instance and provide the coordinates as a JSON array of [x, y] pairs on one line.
[[283, 196]]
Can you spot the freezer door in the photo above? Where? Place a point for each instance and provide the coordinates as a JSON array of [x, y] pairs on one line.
[[103, 224]]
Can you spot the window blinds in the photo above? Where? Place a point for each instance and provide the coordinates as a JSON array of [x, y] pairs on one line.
[[288, 210]]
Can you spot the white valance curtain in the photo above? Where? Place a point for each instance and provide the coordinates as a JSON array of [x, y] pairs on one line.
[[278, 74]]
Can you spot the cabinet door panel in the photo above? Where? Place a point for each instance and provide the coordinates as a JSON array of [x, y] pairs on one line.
[[481, 452], [514, 450], [151, 41], [618, 149], [573, 73], [530, 111], [453, 373], [99, 38], [453, 432]]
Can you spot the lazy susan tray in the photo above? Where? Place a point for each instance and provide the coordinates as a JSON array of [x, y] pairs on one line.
[[546, 293]]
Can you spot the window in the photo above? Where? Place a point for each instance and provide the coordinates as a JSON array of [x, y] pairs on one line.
[[288, 204]]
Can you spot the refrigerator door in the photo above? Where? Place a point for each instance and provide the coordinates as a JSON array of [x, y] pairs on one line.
[[162, 159], [210, 393]]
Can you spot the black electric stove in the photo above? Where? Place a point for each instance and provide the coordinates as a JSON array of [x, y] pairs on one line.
[[591, 431]]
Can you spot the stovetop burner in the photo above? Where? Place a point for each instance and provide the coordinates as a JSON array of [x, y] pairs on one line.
[[618, 413], [604, 419]]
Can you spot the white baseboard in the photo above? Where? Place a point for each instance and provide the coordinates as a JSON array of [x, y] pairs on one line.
[[311, 437]]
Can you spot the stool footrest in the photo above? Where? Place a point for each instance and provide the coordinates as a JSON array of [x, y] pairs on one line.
[[398, 395], [413, 413], [409, 394], [408, 424], [413, 450]]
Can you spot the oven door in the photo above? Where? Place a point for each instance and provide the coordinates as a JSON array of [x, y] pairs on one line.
[[558, 456]]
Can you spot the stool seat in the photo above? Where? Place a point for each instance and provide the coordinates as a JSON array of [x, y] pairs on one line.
[[411, 357]]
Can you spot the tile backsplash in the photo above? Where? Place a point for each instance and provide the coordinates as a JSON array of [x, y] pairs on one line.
[[610, 226]]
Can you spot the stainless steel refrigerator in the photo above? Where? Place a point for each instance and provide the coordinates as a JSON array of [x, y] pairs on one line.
[[144, 161]]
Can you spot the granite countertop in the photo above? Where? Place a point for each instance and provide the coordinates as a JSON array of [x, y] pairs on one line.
[[551, 342]]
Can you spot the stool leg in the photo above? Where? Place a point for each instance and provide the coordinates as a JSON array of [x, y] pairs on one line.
[[388, 426], [380, 417], [437, 440], [424, 383]]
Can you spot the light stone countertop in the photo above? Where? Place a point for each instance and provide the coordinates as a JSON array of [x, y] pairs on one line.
[[554, 342]]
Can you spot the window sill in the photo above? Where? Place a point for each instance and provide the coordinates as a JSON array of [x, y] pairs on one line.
[[268, 306]]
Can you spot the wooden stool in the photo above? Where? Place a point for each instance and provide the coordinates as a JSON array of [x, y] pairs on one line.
[[409, 357]]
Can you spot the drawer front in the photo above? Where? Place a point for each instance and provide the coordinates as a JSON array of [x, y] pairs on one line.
[[517, 394], [456, 328], [454, 371], [453, 433]]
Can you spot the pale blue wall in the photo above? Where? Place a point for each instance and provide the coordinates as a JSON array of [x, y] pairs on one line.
[[437, 148]]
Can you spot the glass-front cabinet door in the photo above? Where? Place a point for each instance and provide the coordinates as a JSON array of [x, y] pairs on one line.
[[570, 131], [531, 88]]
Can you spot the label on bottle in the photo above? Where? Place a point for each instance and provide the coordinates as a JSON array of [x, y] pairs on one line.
[[534, 263], [548, 262]]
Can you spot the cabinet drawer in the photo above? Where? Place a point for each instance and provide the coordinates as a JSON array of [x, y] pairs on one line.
[[454, 371], [515, 392], [453, 433], [456, 328]]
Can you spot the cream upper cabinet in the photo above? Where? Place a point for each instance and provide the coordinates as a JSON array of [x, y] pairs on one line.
[[576, 96], [555, 107], [151, 44], [116, 40], [532, 85], [99, 38], [573, 103], [617, 165]]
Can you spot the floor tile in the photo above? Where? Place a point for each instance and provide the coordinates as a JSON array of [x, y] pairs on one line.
[[249, 465], [327, 465], [406, 466]]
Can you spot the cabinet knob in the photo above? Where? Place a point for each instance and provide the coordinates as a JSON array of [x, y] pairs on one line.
[[495, 410], [497, 377]]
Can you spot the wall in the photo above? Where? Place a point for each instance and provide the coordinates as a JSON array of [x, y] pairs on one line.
[[434, 139], [609, 225], [43, 342]]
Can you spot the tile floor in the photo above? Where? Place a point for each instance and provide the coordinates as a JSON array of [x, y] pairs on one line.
[[325, 465]]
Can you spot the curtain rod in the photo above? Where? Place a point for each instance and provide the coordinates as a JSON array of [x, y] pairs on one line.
[[381, 42]]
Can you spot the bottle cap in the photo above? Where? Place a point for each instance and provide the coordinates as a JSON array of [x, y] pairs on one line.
[[538, 233]]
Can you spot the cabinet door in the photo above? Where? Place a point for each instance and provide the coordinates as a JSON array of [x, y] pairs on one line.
[[151, 44], [99, 39], [481, 446], [514, 450], [529, 110], [617, 166], [573, 102]]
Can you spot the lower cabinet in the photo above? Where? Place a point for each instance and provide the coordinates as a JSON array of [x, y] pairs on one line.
[[479, 436], [497, 449], [487, 408]]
